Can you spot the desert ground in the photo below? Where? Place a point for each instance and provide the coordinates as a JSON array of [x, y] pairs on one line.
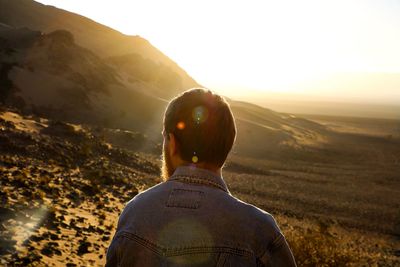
[[64, 186]]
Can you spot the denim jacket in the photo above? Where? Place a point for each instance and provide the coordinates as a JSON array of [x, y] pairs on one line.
[[193, 220]]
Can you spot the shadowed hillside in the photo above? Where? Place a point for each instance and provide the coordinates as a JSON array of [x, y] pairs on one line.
[[102, 40], [48, 74]]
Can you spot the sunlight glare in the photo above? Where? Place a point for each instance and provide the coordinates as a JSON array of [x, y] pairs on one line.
[[262, 45]]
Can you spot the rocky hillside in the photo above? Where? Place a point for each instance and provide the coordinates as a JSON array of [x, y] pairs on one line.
[[50, 75], [102, 40], [63, 187]]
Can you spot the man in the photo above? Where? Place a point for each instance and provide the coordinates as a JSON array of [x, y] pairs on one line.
[[191, 219]]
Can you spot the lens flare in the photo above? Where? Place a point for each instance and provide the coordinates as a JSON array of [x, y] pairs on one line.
[[199, 114], [180, 125], [24, 228], [185, 232]]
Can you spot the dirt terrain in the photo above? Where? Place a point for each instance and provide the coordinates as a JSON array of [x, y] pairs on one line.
[[62, 191], [64, 185], [368, 126]]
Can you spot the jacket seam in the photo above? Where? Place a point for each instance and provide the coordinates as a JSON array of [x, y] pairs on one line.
[[271, 247], [167, 252], [195, 180], [186, 206], [142, 241], [206, 249]]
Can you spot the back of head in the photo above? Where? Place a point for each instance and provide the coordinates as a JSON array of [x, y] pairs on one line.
[[203, 126]]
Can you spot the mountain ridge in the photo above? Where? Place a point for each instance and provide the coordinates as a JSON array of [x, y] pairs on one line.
[[100, 38]]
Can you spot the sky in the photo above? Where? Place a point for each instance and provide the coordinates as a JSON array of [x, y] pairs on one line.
[[337, 50]]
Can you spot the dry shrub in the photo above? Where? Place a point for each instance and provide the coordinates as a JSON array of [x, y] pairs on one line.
[[319, 248]]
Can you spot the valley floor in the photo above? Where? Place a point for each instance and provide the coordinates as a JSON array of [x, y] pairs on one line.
[[332, 215]]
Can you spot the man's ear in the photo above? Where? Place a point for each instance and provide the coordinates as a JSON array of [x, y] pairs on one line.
[[173, 146]]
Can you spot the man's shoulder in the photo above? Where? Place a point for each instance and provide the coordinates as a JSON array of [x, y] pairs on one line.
[[260, 217], [148, 194], [145, 201]]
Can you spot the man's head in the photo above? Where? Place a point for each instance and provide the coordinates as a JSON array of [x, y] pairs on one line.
[[199, 129]]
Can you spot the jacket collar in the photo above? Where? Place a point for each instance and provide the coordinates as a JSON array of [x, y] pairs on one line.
[[192, 174]]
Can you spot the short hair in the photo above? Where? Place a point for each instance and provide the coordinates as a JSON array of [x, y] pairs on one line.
[[203, 125]]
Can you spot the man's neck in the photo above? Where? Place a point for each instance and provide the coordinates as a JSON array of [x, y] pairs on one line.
[[215, 170]]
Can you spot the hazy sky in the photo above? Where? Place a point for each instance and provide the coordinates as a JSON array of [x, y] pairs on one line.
[[331, 49]]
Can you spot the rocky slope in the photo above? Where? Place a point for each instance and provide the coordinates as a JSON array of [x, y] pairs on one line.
[[63, 187], [48, 74], [102, 40]]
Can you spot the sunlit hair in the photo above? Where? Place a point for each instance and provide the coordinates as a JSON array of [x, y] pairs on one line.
[[203, 125]]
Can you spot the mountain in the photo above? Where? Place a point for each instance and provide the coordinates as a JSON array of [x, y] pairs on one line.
[[102, 40], [62, 66], [49, 74]]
